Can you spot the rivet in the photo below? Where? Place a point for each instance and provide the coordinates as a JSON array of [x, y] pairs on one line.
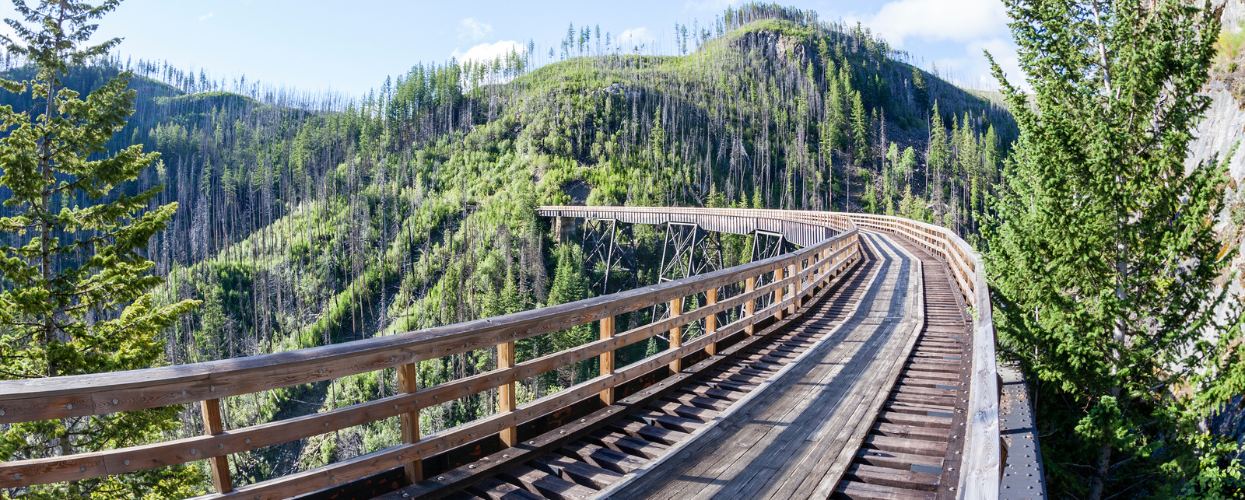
[[472, 466], [440, 478], [507, 455]]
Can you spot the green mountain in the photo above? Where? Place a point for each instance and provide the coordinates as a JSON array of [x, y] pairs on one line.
[[308, 220]]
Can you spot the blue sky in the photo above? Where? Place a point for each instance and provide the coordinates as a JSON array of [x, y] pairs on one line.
[[350, 47]]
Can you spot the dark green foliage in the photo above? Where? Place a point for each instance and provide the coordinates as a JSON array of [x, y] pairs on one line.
[[1102, 258], [75, 282]]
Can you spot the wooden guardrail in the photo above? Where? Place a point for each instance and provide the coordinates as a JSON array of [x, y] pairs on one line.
[[981, 468], [796, 276]]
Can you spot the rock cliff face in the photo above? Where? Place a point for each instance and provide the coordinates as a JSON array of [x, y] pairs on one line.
[[1231, 13], [1222, 130]]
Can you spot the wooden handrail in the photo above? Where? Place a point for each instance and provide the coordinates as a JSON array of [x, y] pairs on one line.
[[73, 396], [980, 470]]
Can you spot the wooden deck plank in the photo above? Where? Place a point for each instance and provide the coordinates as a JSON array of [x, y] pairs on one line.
[[787, 430]]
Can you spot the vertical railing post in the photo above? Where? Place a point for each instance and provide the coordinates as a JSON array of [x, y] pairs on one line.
[[676, 334], [794, 286], [505, 394], [213, 425], [409, 422], [829, 263], [607, 358], [750, 305], [778, 293], [711, 321]]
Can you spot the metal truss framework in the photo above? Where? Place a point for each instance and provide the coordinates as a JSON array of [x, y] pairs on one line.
[[766, 244], [689, 250], [609, 256]]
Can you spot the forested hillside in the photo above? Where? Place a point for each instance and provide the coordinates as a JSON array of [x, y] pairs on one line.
[[308, 220]]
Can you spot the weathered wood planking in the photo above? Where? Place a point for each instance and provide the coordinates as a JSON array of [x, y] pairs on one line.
[[980, 470], [774, 430], [641, 403]]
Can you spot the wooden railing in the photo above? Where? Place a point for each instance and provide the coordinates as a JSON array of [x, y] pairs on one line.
[[796, 276], [981, 468]]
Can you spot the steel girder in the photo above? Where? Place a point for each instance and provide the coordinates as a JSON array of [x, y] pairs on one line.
[[609, 256]]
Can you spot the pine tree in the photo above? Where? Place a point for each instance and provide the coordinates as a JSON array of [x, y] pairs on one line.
[[938, 158], [76, 295], [1102, 257], [861, 128]]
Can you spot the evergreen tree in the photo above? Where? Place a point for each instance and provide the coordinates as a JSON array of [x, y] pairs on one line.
[[938, 158], [569, 285], [1102, 257], [76, 294], [860, 131]]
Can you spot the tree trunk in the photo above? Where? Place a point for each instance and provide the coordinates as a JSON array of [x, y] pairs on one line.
[[1100, 473]]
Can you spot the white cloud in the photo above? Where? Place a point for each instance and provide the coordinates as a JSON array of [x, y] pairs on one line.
[[1004, 53], [932, 20], [206, 16], [975, 25], [972, 70], [635, 37], [471, 29], [487, 52]]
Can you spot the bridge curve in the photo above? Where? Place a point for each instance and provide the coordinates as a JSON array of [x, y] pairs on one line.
[[804, 288]]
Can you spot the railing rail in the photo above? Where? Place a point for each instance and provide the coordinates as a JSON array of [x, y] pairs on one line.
[[84, 395], [981, 467]]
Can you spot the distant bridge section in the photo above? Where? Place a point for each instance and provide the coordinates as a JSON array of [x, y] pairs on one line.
[[803, 228]]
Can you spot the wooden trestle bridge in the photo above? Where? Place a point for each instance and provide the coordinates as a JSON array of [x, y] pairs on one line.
[[861, 365]]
